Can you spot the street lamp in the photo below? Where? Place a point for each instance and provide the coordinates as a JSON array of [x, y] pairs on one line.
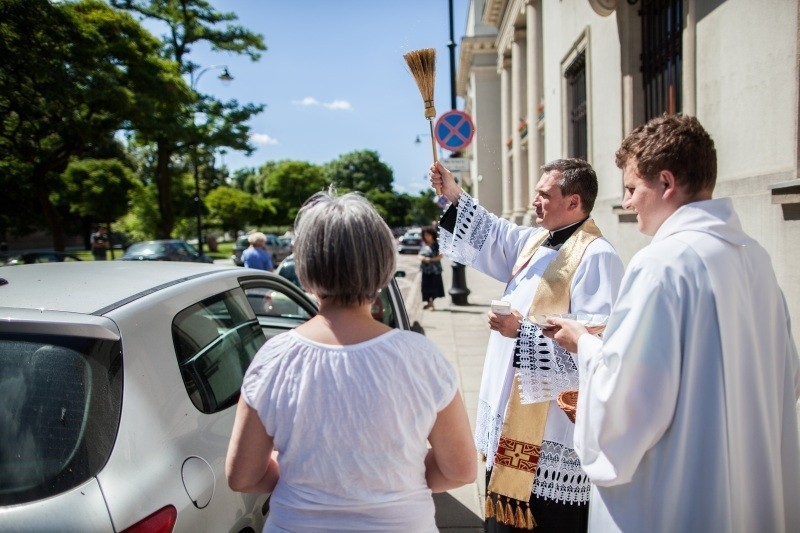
[[225, 78], [458, 290]]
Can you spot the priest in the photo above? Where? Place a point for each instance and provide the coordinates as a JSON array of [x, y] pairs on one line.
[[561, 265]]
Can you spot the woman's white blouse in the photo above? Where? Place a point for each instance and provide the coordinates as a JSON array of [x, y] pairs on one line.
[[350, 424]]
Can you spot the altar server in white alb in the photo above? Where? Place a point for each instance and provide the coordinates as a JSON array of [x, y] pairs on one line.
[[562, 265], [686, 417]]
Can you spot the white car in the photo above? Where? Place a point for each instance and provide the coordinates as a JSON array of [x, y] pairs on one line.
[[118, 386]]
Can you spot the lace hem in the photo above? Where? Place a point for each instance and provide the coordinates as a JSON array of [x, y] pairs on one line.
[[487, 432], [545, 368], [560, 477], [472, 227]]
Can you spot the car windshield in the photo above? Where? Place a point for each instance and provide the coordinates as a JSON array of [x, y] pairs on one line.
[[60, 399], [146, 248]]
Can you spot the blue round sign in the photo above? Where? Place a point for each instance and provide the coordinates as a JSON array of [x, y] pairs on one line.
[[454, 130]]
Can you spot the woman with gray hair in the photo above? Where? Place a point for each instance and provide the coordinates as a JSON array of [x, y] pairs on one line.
[[336, 415], [256, 255]]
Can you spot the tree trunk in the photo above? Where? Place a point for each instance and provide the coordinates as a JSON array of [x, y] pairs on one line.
[[164, 185], [50, 213]]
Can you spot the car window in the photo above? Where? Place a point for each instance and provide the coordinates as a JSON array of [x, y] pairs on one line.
[[382, 310], [180, 249], [278, 309], [215, 341], [60, 399]]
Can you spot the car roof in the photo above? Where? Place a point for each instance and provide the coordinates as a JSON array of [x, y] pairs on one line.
[[101, 284], [158, 241]]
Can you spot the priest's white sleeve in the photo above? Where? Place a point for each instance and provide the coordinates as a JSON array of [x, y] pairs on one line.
[[483, 241], [629, 381]]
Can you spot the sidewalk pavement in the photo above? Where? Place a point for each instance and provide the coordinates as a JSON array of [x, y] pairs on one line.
[[461, 332]]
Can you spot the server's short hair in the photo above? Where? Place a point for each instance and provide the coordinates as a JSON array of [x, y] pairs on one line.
[[677, 143], [344, 251]]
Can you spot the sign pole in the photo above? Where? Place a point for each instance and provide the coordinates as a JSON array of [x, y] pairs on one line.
[[458, 290]]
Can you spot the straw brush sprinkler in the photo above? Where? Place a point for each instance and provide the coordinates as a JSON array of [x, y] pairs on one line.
[[422, 64]]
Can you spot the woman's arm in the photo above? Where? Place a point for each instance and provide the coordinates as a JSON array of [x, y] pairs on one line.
[[251, 465], [452, 459]]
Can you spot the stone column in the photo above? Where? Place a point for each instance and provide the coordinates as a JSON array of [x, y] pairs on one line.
[[534, 71], [519, 163], [505, 128]]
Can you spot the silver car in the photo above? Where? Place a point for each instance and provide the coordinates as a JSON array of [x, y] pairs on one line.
[[118, 385]]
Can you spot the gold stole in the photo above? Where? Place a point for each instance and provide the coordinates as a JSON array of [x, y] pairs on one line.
[[517, 455]]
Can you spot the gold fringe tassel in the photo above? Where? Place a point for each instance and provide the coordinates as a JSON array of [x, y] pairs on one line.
[[530, 523], [519, 517], [499, 514], [509, 521], [508, 512]]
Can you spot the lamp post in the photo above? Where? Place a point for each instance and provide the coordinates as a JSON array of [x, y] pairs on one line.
[[458, 289], [226, 78]]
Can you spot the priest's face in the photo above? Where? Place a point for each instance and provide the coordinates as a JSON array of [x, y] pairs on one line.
[[646, 198], [553, 209]]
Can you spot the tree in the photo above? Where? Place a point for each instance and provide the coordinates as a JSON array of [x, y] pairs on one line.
[[289, 184], [424, 210], [361, 171], [224, 124], [72, 74], [98, 190], [233, 209]]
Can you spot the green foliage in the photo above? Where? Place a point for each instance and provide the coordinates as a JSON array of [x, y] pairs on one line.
[[233, 209], [361, 171], [223, 124], [141, 221], [424, 211], [72, 74], [289, 184], [98, 189]]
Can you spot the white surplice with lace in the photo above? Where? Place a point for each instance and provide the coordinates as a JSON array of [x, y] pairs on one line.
[[491, 245]]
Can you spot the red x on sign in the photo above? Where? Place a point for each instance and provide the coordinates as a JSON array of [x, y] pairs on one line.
[[454, 130]]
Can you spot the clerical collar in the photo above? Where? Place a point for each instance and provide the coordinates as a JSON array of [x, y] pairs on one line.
[[560, 236]]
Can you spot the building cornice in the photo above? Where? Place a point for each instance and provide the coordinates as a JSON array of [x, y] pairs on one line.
[[470, 47], [513, 18], [492, 10]]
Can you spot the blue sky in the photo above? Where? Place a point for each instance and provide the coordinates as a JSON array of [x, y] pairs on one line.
[[334, 79]]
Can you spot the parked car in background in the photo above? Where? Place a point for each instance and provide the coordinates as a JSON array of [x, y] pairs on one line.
[[278, 249], [164, 250], [123, 380], [410, 242], [388, 306], [40, 257]]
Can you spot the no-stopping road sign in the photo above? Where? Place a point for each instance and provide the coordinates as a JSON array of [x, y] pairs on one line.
[[454, 130]]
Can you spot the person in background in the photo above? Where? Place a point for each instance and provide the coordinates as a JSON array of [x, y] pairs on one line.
[[336, 415], [534, 478], [687, 412], [256, 255], [431, 267], [100, 243]]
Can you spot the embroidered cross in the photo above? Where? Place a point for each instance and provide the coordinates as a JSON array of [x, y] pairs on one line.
[[517, 454]]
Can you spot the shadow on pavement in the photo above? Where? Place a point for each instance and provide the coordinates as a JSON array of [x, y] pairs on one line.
[[452, 515], [472, 309]]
